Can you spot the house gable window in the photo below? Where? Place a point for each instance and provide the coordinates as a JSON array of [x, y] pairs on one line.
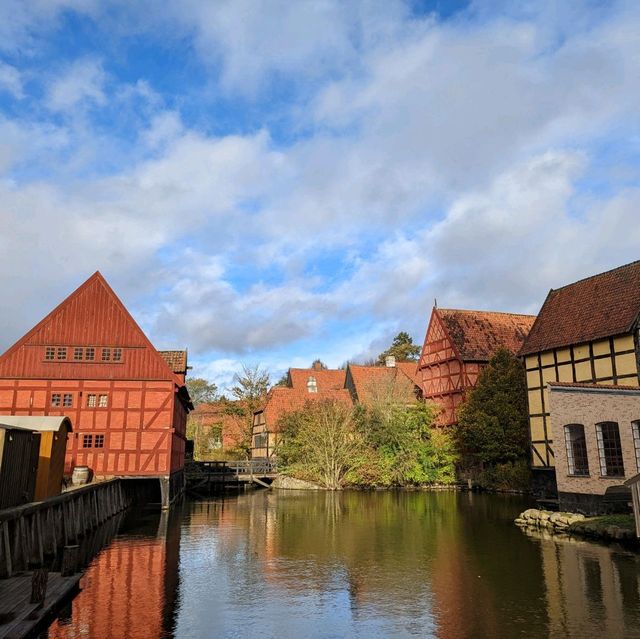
[[56, 399], [609, 449], [50, 353], [576, 444]]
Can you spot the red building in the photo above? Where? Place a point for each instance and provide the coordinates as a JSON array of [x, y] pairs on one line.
[[90, 361], [457, 346]]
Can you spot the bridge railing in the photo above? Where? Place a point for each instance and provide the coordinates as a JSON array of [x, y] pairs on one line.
[[250, 467]]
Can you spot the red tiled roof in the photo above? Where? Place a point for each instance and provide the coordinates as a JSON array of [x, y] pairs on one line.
[[593, 308], [369, 380], [176, 360], [326, 379], [410, 369], [282, 400], [477, 335]]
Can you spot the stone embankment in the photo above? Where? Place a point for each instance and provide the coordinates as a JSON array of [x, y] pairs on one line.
[[608, 527], [284, 482]]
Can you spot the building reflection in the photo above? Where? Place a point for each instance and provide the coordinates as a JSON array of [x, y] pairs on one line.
[[130, 588]]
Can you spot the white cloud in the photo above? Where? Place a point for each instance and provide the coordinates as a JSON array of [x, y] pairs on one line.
[[11, 80], [83, 82]]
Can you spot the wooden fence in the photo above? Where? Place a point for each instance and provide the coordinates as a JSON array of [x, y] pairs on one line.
[[35, 535]]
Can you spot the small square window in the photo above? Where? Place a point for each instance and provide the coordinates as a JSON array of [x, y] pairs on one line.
[[102, 401], [67, 400], [106, 354], [56, 399], [99, 441], [117, 354], [87, 441], [62, 352], [90, 353], [50, 353], [91, 400], [77, 353]]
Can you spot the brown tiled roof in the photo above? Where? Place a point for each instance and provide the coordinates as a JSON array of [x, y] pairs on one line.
[[282, 400], [591, 385], [326, 379], [410, 369], [594, 308], [370, 380], [176, 360], [476, 335]]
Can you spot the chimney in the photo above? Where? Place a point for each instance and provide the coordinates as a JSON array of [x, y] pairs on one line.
[[312, 385], [390, 361], [317, 365]]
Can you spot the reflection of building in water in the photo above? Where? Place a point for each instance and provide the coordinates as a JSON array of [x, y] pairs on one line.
[[590, 587], [133, 569]]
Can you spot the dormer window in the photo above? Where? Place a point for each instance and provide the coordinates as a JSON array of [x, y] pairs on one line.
[[312, 385]]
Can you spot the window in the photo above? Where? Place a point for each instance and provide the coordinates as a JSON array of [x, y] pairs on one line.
[[576, 449], [77, 353], [67, 400], [609, 449], [117, 354], [87, 441], [106, 354], [91, 400], [312, 385], [98, 441], [260, 441], [56, 399], [50, 353], [90, 353], [635, 429], [62, 352], [102, 401]]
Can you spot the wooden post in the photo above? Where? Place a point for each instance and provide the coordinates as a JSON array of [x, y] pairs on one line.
[[69, 560], [39, 585]]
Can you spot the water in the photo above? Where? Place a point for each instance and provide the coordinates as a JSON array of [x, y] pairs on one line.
[[371, 565]]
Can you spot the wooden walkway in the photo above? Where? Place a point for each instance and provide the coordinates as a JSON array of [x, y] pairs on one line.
[[207, 475], [20, 618]]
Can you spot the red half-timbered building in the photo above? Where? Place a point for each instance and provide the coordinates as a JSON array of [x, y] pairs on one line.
[[89, 360], [457, 346]]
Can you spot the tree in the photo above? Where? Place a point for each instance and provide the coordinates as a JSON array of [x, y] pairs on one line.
[[492, 423], [402, 348], [321, 443], [201, 390], [250, 390]]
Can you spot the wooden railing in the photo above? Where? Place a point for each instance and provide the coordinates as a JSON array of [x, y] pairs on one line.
[[259, 467], [35, 534]]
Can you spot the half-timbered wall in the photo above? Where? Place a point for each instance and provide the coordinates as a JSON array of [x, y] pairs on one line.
[[607, 361], [444, 375], [263, 442]]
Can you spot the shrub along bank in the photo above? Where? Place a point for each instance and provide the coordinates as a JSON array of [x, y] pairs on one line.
[[387, 443]]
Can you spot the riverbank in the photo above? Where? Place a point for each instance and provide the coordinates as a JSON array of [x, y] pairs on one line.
[[605, 528]]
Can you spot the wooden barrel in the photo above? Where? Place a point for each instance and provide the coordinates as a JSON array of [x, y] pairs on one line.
[[80, 475]]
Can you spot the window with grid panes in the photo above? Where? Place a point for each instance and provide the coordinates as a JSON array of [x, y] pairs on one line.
[[98, 441], [50, 353], [102, 401], [56, 399], [77, 353], [89, 353], [67, 400], [61, 352], [91, 400], [106, 354], [576, 444], [117, 354], [635, 429], [609, 449], [87, 441]]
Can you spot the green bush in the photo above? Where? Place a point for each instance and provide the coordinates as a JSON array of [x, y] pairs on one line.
[[508, 476]]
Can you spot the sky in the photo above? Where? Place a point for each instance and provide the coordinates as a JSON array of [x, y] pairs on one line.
[[268, 182]]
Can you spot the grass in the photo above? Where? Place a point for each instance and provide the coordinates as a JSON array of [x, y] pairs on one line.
[[598, 526]]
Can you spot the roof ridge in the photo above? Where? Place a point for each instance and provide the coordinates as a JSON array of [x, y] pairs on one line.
[[469, 310], [597, 275]]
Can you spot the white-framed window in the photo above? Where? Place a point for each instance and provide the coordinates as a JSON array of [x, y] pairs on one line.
[[61, 352], [56, 399], [576, 444], [102, 401], [609, 449], [67, 400], [50, 353], [635, 429], [92, 400]]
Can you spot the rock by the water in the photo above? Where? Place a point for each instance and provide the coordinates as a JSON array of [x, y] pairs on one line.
[[291, 483]]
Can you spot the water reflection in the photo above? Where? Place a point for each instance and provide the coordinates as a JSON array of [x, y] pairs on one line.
[[391, 564]]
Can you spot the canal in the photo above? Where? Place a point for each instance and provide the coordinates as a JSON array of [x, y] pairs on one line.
[[353, 564]]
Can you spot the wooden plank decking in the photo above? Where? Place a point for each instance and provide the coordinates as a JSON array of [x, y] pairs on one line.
[[18, 617]]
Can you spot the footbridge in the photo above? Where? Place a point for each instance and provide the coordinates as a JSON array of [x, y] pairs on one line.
[[207, 475]]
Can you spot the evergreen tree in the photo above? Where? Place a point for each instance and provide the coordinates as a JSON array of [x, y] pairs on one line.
[[493, 423], [402, 348]]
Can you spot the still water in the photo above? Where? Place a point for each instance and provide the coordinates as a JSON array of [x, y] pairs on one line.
[[371, 565]]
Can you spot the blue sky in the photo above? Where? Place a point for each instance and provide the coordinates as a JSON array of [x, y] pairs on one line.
[[266, 181]]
